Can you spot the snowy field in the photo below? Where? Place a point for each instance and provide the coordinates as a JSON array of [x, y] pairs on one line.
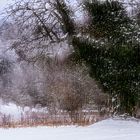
[[104, 130]]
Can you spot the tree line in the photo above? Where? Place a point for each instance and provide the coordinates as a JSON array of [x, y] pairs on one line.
[[106, 45]]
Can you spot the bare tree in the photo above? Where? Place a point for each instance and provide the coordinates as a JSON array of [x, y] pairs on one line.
[[41, 25]]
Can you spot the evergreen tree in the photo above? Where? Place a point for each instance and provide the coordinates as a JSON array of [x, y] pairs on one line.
[[113, 56]]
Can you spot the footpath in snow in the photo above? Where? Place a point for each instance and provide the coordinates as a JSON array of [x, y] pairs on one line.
[[104, 130]]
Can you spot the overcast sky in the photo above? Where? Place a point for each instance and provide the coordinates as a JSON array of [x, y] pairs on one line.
[[4, 3]]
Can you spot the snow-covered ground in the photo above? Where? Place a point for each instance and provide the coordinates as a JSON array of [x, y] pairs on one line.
[[105, 130]]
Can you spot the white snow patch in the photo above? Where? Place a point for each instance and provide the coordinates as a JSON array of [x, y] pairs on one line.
[[11, 109]]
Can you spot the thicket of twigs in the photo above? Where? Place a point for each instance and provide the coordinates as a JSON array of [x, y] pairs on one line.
[[33, 119]]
